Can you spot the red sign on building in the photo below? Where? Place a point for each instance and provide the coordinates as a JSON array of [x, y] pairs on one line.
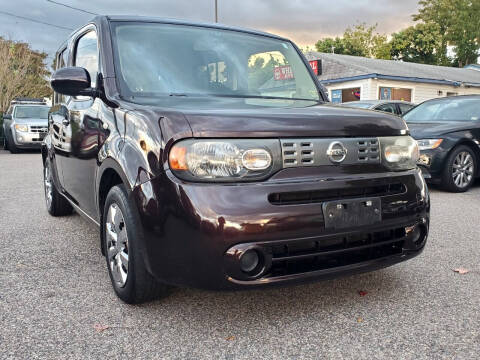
[[314, 65], [283, 72]]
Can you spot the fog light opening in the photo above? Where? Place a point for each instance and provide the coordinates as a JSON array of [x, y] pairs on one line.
[[416, 234], [251, 262]]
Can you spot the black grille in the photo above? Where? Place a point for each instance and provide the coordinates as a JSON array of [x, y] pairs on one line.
[[311, 255], [38, 129], [317, 196]]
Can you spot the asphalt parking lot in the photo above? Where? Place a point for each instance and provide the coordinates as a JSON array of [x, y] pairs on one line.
[[56, 300]]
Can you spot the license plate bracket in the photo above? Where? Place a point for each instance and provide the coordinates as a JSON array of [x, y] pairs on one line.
[[342, 214]]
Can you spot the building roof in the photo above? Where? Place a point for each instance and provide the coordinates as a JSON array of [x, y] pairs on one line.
[[340, 68]]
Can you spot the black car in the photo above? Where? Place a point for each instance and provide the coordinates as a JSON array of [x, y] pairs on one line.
[[203, 164], [448, 134], [396, 107]]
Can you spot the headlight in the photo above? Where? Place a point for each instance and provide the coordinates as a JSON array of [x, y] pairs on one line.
[[399, 152], [429, 144], [20, 127], [225, 160]]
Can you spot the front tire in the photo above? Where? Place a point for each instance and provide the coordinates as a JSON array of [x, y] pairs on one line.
[[122, 234], [11, 145], [460, 170], [57, 205]]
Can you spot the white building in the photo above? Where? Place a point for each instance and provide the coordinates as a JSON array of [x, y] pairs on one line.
[[350, 78]]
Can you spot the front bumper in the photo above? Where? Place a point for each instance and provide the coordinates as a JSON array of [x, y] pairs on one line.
[[194, 233], [432, 163], [28, 140]]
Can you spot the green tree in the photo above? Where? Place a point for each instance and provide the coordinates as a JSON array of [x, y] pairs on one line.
[[360, 40], [260, 71], [459, 26], [23, 72], [330, 45], [420, 44]]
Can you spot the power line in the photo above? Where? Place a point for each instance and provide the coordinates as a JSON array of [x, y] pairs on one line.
[[35, 21], [72, 7]]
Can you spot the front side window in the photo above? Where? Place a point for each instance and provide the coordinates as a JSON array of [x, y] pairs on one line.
[[86, 55], [155, 59], [454, 109], [31, 112]]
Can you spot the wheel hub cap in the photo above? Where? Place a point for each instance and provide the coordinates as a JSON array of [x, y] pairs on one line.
[[117, 244], [463, 169], [47, 185]]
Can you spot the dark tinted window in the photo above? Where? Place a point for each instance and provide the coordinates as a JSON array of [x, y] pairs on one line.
[[390, 108], [86, 55], [404, 108]]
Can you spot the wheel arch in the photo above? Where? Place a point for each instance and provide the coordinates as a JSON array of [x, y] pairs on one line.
[[110, 174]]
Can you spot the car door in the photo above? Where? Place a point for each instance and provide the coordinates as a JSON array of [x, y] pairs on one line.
[[82, 128]]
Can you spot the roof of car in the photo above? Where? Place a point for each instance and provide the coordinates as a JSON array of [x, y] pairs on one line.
[[150, 19], [184, 22]]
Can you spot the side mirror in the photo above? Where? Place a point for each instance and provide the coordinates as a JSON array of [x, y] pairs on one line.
[[7, 117], [72, 81]]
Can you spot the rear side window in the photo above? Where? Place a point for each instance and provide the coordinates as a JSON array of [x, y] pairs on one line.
[[86, 55], [404, 108], [390, 108]]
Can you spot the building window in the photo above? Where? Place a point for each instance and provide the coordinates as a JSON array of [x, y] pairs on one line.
[[389, 93], [345, 95]]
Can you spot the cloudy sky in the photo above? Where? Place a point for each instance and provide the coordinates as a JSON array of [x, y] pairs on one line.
[[304, 21]]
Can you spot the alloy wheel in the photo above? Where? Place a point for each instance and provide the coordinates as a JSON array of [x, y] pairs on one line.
[[463, 168], [47, 180], [117, 244]]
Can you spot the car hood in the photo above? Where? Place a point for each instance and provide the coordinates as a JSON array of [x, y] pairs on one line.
[[32, 122], [434, 129], [232, 117]]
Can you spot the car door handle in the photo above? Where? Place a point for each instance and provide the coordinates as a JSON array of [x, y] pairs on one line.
[[65, 122]]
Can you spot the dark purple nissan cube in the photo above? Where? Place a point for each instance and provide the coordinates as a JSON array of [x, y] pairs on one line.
[[208, 156]]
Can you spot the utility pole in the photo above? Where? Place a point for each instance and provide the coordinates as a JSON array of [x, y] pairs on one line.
[[216, 11]]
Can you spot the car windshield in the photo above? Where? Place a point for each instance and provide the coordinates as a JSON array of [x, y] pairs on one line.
[[455, 109], [154, 59], [31, 112]]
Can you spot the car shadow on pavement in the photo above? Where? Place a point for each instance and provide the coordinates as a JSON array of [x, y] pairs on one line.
[[330, 296]]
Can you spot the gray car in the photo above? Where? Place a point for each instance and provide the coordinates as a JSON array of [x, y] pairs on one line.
[[396, 107], [25, 124]]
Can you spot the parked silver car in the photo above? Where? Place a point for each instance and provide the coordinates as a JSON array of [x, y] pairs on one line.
[[396, 107], [25, 124]]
